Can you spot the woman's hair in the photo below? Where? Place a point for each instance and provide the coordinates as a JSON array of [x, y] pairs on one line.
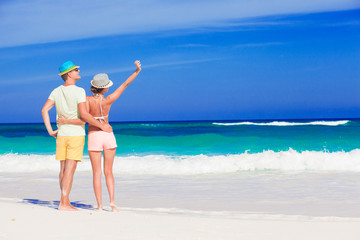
[[96, 90]]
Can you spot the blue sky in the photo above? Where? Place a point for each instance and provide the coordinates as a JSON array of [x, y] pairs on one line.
[[218, 60]]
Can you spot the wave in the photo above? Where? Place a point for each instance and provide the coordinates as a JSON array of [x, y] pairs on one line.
[[290, 160], [276, 123]]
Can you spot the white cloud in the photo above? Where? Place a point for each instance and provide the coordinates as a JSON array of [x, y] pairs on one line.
[[351, 23], [156, 65], [51, 77], [193, 45], [258, 44], [41, 21]]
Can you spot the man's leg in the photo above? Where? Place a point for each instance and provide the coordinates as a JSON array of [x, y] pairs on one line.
[[61, 156], [66, 184], [61, 174]]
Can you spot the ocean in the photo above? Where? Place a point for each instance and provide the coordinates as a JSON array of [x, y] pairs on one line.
[[306, 167], [202, 147]]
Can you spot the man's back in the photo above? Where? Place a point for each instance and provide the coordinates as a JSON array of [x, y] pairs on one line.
[[66, 100]]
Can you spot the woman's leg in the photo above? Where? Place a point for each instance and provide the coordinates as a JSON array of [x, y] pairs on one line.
[[109, 155], [95, 157]]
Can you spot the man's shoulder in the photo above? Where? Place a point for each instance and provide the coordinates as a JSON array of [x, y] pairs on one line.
[[68, 89], [77, 87], [72, 88], [55, 90], [80, 89]]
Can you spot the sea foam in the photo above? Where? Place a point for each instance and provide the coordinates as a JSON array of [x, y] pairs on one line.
[[287, 161], [277, 123]]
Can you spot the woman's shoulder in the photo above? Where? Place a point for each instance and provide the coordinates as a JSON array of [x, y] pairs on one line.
[[107, 101]]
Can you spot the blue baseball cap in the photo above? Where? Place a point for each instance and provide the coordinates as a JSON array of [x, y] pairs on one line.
[[67, 67]]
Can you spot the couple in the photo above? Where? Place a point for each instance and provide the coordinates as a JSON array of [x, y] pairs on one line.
[[73, 110]]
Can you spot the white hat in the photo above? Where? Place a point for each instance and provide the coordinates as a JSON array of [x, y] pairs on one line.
[[101, 80]]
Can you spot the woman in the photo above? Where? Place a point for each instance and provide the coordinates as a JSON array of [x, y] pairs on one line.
[[99, 141]]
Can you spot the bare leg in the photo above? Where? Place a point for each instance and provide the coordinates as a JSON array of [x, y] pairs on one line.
[[109, 155], [61, 174], [66, 184], [95, 157]]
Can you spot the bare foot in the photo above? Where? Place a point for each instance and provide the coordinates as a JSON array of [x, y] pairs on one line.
[[74, 208], [114, 207], [99, 209], [67, 208]]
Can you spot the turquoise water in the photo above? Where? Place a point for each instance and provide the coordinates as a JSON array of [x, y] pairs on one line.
[[208, 138]]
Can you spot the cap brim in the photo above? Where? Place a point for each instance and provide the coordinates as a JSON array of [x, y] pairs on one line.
[[106, 86], [70, 69]]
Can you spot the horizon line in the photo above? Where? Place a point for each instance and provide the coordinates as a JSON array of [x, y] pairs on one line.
[[210, 120]]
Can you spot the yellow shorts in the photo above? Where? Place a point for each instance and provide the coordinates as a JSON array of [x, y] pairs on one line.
[[70, 147]]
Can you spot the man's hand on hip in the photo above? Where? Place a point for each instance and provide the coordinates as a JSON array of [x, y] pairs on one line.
[[106, 128]]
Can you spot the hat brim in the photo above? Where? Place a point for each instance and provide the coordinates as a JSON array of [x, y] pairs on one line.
[[106, 86], [70, 69]]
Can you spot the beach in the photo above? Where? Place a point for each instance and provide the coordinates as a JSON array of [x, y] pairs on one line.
[[183, 207], [192, 180], [20, 221]]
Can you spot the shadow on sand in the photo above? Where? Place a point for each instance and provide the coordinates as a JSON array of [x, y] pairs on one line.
[[55, 204]]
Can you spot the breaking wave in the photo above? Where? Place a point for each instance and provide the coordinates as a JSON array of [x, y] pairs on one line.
[[277, 123], [290, 160]]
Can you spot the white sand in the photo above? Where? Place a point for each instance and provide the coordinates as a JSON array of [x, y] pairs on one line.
[[26, 221]]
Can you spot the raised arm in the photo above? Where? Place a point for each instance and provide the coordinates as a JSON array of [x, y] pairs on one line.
[[86, 116], [115, 95], [49, 104]]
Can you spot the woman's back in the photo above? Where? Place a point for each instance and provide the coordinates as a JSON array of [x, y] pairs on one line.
[[97, 105], [99, 108]]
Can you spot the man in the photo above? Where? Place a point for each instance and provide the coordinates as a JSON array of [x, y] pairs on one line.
[[70, 101]]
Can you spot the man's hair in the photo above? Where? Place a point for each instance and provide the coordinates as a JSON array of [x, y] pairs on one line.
[[96, 90], [64, 76]]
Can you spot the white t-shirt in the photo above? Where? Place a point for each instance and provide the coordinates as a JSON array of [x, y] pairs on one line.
[[66, 100]]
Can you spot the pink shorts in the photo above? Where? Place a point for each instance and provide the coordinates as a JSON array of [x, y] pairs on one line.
[[99, 141]]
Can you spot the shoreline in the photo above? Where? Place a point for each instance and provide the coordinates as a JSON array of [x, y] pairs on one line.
[[312, 194], [83, 207], [20, 221]]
